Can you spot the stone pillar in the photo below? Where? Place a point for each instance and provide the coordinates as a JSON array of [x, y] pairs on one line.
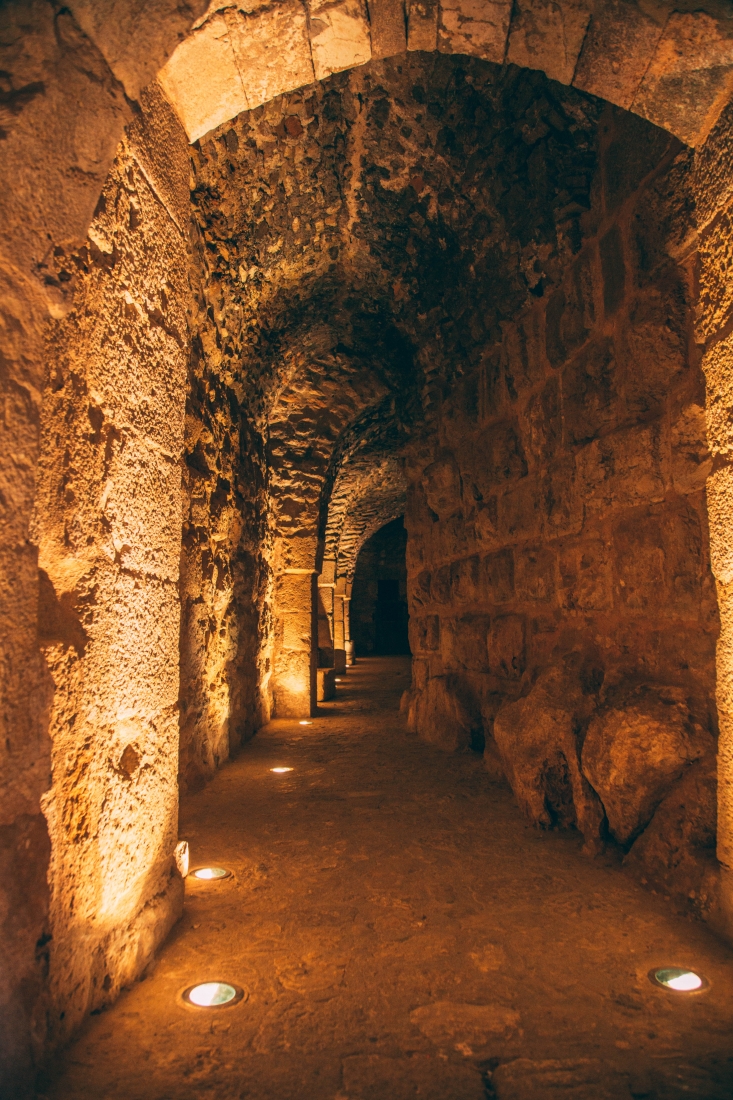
[[348, 644], [339, 652], [294, 679], [325, 613], [714, 199]]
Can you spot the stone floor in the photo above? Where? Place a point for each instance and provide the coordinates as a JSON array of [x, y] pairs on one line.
[[400, 932]]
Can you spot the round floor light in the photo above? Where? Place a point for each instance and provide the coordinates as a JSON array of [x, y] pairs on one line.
[[303, 722], [212, 995], [280, 771], [208, 873], [678, 978]]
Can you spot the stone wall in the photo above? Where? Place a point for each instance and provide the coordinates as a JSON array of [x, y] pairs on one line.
[[108, 530], [382, 557], [561, 596]]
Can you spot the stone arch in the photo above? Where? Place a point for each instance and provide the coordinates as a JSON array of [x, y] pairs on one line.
[[672, 69]]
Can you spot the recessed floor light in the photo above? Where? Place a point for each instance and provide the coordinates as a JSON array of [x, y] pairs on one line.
[[208, 873], [337, 680], [303, 722], [212, 995], [678, 978], [279, 771]]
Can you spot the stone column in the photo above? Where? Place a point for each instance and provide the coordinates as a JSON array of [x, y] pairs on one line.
[[339, 652], [294, 679], [714, 199], [325, 613], [348, 644]]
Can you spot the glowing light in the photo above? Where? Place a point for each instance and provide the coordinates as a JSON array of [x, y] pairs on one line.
[[211, 873], [280, 771], [213, 994], [181, 856], [337, 680], [678, 978], [304, 723]]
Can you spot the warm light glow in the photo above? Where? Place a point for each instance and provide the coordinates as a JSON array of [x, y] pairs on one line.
[[211, 872], [211, 994], [303, 722], [181, 856], [279, 771], [675, 977], [337, 680]]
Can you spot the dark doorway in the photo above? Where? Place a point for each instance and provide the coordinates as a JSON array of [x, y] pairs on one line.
[[379, 619]]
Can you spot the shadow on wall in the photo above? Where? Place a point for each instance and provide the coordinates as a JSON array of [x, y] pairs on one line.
[[379, 617]]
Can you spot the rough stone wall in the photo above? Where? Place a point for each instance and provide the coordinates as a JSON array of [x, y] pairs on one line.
[[558, 519], [382, 557], [108, 528], [714, 207]]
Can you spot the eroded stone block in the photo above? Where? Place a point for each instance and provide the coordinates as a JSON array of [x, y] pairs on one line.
[[478, 27], [339, 34], [388, 26], [618, 47], [271, 49], [422, 24], [506, 646], [548, 35]]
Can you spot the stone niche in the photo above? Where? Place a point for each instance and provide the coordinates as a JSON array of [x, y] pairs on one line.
[[562, 607]]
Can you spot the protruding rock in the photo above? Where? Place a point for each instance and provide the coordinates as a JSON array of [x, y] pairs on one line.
[[537, 738], [636, 750]]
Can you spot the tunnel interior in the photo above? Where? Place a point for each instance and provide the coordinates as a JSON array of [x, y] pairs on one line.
[[426, 357]]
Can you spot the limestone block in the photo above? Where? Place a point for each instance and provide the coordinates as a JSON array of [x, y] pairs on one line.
[[477, 27], [716, 287], [618, 47], [548, 35], [297, 631], [538, 744], [691, 458], [442, 717], [339, 662], [202, 79], [720, 509], [586, 575], [441, 482], [655, 343], [463, 643], [464, 580], [718, 367], [635, 751], [440, 585], [446, 1023], [418, 589], [293, 592], [422, 24], [339, 34], [675, 848], [621, 470], [350, 651], [535, 571], [326, 684], [525, 1079], [591, 402], [497, 576], [424, 633], [690, 77], [388, 27], [271, 49], [506, 646], [570, 314], [712, 181]]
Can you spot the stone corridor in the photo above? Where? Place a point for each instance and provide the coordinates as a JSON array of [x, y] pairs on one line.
[[401, 932]]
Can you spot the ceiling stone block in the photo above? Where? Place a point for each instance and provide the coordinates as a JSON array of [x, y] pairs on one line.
[[202, 81], [422, 24], [388, 27], [478, 27], [690, 78], [339, 34], [548, 35], [272, 50], [618, 47]]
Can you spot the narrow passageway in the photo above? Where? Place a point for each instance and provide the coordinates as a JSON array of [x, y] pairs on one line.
[[399, 931]]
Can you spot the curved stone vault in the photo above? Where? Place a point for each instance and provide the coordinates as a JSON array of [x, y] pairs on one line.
[[276, 274]]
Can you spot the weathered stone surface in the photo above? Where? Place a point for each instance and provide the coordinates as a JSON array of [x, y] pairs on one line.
[[618, 47], [635, 750], [690, 78], [548, 35], [506, 646], [581, 1078], [442, 485], [477, 27], [443, 716], [339, 34], [202, 79], [675, 852], [387, 27], [448, 1023], [422, 24], [537, 738], [271, 49]]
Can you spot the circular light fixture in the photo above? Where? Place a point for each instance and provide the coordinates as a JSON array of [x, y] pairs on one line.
[[280, 771], [678, 978], [337, 680], [303, 722], [209, 873], [212, 995]]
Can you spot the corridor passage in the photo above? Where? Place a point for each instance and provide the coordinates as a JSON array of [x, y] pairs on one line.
[[400, 933]]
